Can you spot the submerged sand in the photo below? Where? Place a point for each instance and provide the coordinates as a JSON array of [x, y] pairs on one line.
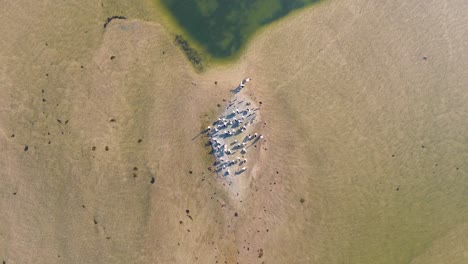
[[364, 107]]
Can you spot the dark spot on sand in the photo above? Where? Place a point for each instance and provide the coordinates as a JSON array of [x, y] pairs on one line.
[[152, 180], [190, 217], [108, 237], [93, 148], [187, 211], [135, 168], [398, 188], [26, 148], [112, 57], [83, 206], [215, 82], [277, 172], [235, 214], [12, 135], [164, 52], [224, 100], [302, 200], [49, 142], [82, 67], [180, 222], [260, 253], [106, 148], [393, 156], [422, 146], [60, 121], [47, 74], [109, 19], [424, 57], [112, 120], [190, 172], [66, 121], [14, 193], [140, 140], [218, 105], [43, 100], [135, 175], [95, 221], [260, 102]]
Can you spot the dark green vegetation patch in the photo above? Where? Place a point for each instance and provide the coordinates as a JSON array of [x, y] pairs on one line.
[[190, 52]]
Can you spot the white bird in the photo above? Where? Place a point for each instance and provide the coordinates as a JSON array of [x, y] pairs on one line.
[[245, 160], [209, 128], [261, 136], [243, 150], [255, 135], [243, 144], [235, 141], [244, 168]]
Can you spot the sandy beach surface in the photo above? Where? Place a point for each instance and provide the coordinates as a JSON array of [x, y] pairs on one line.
[[363, 105]]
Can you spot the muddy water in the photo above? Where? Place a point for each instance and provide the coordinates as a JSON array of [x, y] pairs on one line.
[[223, 27]]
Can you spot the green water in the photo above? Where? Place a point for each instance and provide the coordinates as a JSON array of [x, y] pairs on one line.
[[222, 27]]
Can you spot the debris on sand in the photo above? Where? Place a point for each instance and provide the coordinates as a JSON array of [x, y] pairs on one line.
[[260, 253], [26, 148], [152, 180], [109, 19]]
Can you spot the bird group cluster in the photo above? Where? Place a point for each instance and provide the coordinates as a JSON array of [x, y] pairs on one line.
[[227, 137]]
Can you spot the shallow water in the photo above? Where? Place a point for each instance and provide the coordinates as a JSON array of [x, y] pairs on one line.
[[222, 27]]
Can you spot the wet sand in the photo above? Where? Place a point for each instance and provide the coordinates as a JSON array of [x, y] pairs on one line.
[[364, 109]]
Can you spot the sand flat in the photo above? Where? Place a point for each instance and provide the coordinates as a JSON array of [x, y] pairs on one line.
[[365, 106]]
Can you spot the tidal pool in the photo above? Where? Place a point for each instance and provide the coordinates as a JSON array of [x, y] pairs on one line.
[[221, 27]]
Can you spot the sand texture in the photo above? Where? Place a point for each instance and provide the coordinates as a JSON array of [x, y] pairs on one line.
[[363, 105]]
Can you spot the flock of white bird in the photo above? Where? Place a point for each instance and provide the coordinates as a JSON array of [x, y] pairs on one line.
[[228, 142]]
